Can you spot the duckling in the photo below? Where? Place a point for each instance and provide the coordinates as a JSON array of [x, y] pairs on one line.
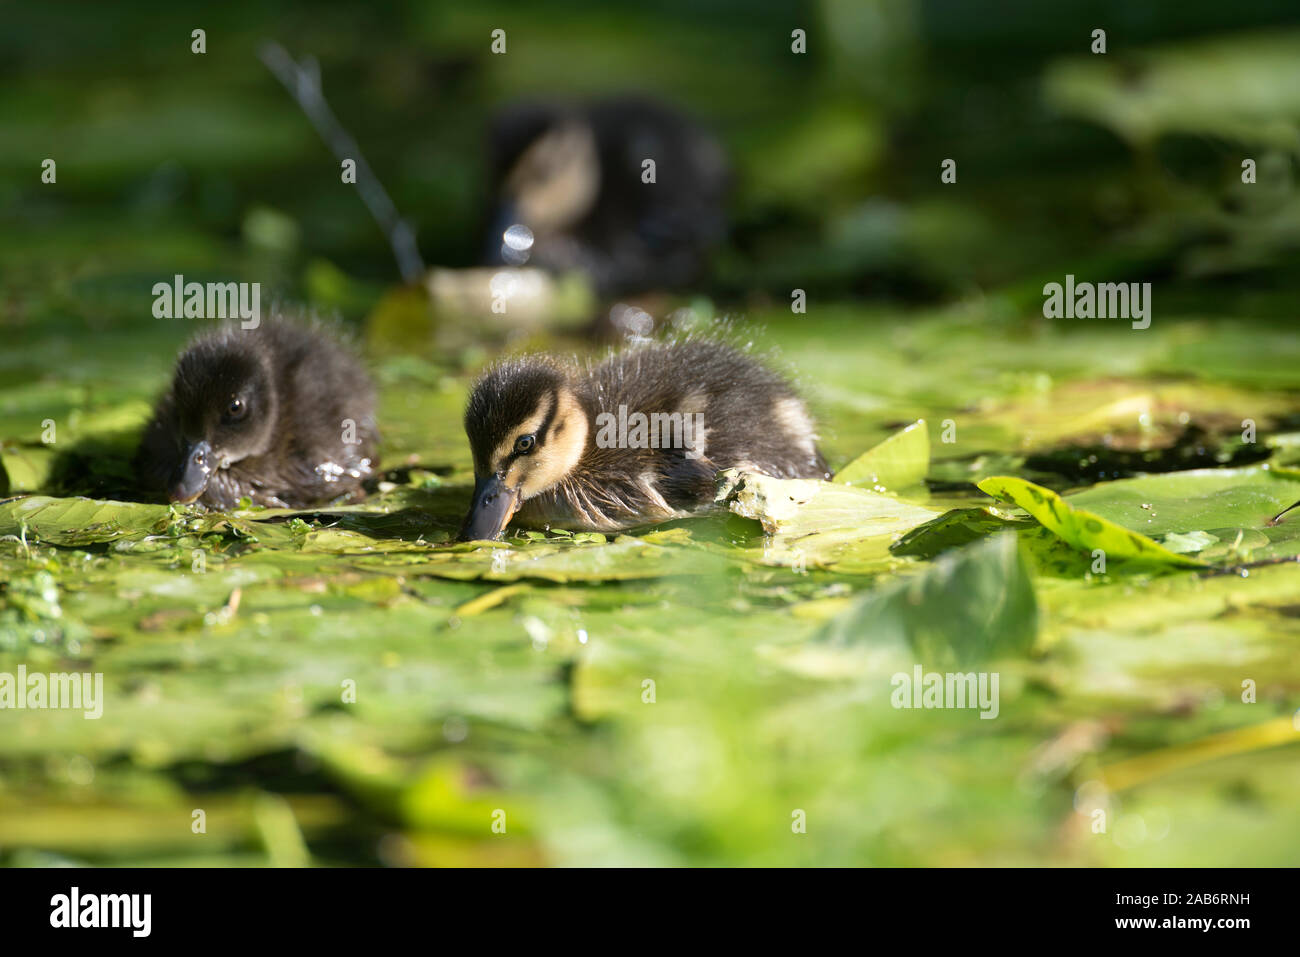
[[281, 413], [573, 175], [633, 440]]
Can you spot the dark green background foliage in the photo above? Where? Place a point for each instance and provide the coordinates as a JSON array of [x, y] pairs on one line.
[[516, 678]]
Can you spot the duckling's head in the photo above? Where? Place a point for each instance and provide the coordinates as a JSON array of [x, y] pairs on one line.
[[552, 182], [527, 430], [226, 406]]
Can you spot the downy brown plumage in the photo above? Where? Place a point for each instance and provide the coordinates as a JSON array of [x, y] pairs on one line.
[[282, 414], [549, 442]]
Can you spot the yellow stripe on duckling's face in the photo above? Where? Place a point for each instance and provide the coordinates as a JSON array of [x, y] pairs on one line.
[[556, 451], [529, 426]]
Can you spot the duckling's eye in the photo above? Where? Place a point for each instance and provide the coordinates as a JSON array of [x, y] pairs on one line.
[[524, 444], [235, 410]]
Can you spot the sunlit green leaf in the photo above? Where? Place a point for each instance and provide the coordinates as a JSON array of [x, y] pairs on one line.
[[973, 605], [1077, 527], [897, 463]]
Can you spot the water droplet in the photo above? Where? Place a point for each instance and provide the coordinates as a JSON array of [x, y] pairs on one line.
[[518, 237]]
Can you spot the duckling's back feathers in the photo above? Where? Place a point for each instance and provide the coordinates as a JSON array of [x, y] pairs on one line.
[[751, 415]]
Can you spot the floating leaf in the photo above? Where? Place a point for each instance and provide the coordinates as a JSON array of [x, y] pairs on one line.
[[952, 529], [1079, 528], [899, 462], [28, 467], [1236, 506], [627, 558], [973, 605], [812, 524], [1193, 500], [804, 506], [80, 521]]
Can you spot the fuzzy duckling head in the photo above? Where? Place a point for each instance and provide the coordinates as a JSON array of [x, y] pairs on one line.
[[556, 179], [527, 429], [226, 408], [546, 171]]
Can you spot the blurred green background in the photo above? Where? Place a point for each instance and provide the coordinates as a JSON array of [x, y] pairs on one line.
[[519, 686], [1122, 161]]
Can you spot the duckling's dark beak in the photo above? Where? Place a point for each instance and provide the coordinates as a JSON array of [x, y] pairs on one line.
[[493, 506], [191, 476]]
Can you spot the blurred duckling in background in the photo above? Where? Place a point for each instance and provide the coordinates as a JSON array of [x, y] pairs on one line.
[[573, 178], [635, 439], [281, 413]]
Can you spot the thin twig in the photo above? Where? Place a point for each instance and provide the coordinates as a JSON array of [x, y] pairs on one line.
[[302, 80]]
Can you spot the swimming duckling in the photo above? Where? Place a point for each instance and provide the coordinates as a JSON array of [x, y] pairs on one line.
[[635, 439], [281, 413], [575, 177]]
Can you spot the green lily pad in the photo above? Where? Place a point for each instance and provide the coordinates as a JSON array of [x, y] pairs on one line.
[[1082, 529], [813, 524], [806, 506], [953, 529], [28, 467], [1190, 501], [899, 462], [973, 605], [627, 558], [82, 521]]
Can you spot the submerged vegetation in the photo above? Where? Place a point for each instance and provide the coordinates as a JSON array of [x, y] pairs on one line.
[[1093, 513]]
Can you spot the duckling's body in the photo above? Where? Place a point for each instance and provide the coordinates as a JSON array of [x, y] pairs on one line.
[[282, 414], [574, 446], [575, 175]]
